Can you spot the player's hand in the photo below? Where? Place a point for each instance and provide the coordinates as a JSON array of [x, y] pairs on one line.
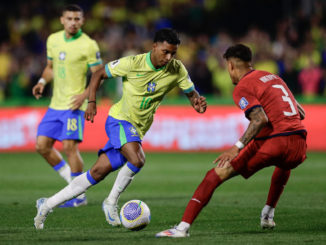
[[227, 156], [90, 112], [77, 101], [200, 104], [38, 90]]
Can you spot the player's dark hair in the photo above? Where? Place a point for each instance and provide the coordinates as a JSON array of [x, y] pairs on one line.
[[239, 51], [73, 8], [167, 34]]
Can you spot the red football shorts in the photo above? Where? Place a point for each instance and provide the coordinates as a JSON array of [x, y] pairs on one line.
[[285, 152]]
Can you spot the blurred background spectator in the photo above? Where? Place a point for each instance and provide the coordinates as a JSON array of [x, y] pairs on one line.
[[288, 38]]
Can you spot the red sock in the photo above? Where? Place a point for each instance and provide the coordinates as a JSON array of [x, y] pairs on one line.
[[279, 179], [201, 196]]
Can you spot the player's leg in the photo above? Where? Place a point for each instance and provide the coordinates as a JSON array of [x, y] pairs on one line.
[[44, 146], [49, 130], [199, 200], [293, 151], [135, 156], [124, 145], [294, 154], [278, 182], [79, 185], [246, 163], [70, 148]]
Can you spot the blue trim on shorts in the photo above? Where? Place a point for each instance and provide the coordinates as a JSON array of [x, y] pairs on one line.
[[133, 168], [75, 174], [90, 178], [59, 165]]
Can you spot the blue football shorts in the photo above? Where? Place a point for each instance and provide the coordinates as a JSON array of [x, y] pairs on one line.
[[62, 125], [119, 133]]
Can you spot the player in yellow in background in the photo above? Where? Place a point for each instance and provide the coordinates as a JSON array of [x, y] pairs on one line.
[[70, 53], [147, 78]]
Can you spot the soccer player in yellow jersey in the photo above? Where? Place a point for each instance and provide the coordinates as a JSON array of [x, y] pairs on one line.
[[69, 54], [147, 78]]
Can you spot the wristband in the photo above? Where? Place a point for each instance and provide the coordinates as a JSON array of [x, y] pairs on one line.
[[239, 144], [92, 101], [42, 81]]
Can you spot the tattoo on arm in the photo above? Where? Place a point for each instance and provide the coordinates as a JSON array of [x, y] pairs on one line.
[[258, 120]]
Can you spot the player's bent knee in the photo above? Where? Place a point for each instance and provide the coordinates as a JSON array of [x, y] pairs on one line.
[[99, 173], [225, 172], [101, 168], [42, 148], [138, 162]]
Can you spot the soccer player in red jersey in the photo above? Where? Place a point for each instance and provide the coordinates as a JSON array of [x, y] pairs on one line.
[[275, 137]]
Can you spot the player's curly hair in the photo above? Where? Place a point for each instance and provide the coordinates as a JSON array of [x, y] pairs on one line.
[[239, 51], [73, 8], [167, 34]]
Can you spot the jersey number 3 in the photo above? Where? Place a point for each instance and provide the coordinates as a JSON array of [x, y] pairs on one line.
[[287, 99]]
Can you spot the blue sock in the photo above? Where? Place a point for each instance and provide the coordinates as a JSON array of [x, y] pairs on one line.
[[90, 178], [133, 168], [59, 165], [74, 175]]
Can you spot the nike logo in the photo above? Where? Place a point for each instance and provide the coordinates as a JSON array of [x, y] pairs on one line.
[[110, 217], [140, 75]]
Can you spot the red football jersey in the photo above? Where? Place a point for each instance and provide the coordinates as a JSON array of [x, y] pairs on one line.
[[261, 88]]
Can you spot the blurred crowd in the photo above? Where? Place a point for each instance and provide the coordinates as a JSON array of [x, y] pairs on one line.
[[291, 43]]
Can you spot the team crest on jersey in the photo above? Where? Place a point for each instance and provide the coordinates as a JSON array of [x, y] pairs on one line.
[[133, 131], [62, 55], [98, 55], [151, 87], [243, 103]]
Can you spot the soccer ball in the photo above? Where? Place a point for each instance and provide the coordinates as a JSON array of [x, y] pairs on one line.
[[135, 215]]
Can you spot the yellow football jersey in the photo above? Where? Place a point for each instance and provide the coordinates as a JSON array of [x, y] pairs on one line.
[[71, 59], [144, 87]]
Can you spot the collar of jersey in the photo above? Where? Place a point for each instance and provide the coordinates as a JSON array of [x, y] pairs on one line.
[[149, 62], [74, 37], [247, 74]]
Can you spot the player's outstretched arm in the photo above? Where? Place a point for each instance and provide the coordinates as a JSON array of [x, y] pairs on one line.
[[46, 77], [198, 102], [93, 86], [258, 120], [78, 100]]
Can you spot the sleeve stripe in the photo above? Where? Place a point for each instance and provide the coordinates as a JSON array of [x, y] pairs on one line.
[[96, 63], [192, 88], [49, 58], [108, 71]]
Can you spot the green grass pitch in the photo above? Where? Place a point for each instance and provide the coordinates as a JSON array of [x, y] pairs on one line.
[[166, 184]]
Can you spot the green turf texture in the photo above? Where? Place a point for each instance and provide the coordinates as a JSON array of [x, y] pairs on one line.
[[166, 184]]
